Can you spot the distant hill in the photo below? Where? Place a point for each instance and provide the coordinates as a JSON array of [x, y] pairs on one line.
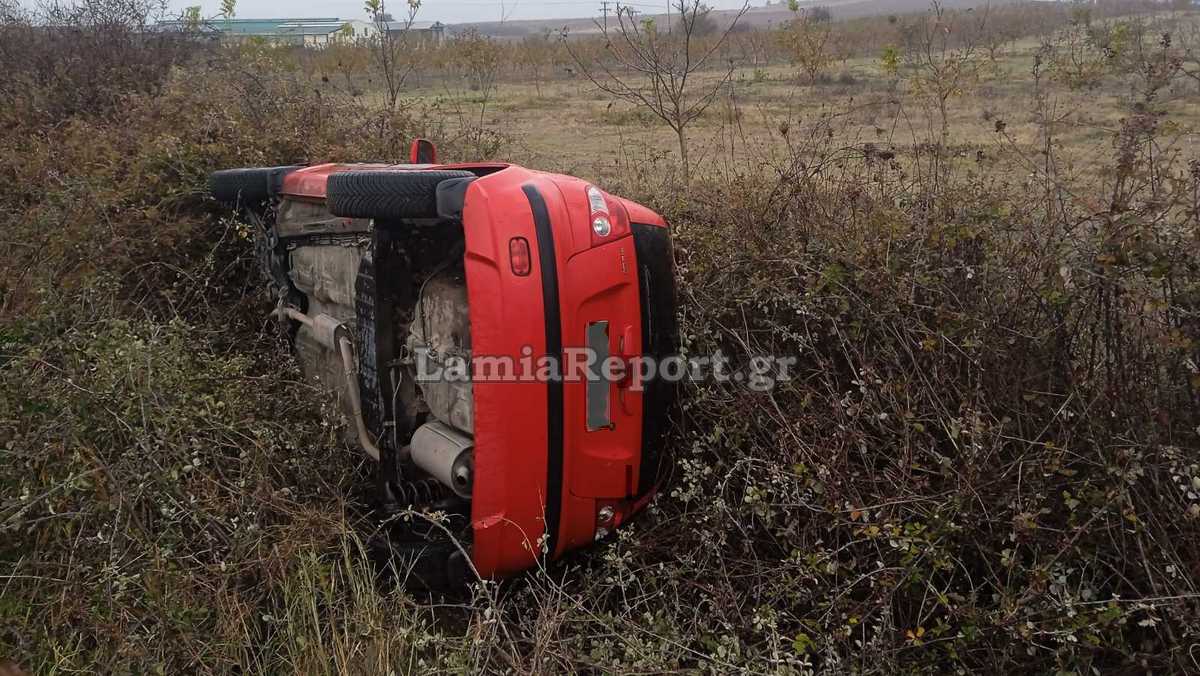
[[756, 17]]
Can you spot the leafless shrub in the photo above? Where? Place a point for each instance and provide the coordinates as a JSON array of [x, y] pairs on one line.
[[658, 72], [984, 460], [391, 47], [476, 62], [945, 61], [78, 56], [806, 39]]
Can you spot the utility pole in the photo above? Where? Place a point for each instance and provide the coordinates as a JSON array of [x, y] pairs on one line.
[[604, 8]]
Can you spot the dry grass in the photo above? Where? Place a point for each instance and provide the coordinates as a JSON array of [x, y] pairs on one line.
[[987, 464], [572, 126]]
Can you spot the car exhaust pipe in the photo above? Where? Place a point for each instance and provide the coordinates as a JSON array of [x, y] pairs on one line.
[[323, 327], [351, 369], [331, 334], [446, 454]]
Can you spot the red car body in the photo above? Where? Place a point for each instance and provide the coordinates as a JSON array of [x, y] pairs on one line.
[[546, 481]]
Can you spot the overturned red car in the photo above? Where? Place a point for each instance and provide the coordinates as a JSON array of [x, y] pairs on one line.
[[450, 307]]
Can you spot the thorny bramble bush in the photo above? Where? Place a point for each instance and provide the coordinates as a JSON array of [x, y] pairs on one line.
[[986, 463]]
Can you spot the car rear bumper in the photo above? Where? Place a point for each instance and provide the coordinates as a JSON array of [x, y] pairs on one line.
[[548, 475]]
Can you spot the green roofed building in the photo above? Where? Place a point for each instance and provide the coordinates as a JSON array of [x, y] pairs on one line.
[[299, 32]]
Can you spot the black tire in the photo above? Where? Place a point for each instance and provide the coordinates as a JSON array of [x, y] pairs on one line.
[[247, 186], [386, 194]]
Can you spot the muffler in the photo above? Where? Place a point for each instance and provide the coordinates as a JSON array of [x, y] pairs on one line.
[[446, 454]]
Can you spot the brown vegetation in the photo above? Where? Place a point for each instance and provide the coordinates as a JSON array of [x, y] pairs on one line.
[[982, 248]]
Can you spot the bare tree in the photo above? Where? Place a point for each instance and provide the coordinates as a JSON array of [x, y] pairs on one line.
[[946, 62], [700, 15], [472, 61], [806, 39], [536, 53], [1188, 35], [754, 45], [390, 46], [658, 72], [996, 31], [477, 57], [11, 13]]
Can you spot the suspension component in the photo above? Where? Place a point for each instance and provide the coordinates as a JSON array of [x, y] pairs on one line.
[[419, 492]]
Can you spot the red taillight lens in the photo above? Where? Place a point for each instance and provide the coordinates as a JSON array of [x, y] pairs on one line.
[[518, 256]]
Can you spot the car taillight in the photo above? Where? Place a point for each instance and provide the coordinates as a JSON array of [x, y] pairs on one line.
[[518, 256], [601, 225], [606, 217]]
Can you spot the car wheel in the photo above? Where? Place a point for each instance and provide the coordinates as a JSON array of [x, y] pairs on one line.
[[247, 186], [386, 194]]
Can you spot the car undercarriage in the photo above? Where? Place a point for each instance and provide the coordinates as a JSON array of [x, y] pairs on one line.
[[399, 285]]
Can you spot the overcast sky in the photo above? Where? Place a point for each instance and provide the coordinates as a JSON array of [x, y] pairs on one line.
[[448, 11]]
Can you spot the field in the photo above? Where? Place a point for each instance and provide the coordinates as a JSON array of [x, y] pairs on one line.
[[588, 127], [976, 230]]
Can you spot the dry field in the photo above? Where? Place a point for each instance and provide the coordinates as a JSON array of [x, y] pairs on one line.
[[567, 124], [572, 127]]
